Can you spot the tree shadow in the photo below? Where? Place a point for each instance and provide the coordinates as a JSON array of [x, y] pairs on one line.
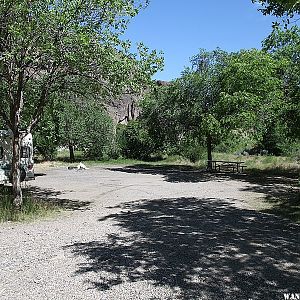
[[176, 173], [280, 187], [287, 207], [280, 190], [206, 248], [52, 197], [39, 174]]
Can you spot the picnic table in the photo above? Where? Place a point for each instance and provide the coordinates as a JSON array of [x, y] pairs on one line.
[[223, 165]]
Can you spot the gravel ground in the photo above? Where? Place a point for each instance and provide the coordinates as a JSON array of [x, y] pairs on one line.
[[138, 233]]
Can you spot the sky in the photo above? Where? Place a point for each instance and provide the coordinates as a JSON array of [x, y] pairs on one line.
[[179, 28]]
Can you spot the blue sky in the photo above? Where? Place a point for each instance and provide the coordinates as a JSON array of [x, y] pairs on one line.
[[179, 28]]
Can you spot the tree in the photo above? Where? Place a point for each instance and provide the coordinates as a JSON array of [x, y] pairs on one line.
[[208, 87], [86, 126], [285, 45], [279, 8], [46, 134], [185, 110], [135, 141], [221, 94], [46, 45], [252, 96]]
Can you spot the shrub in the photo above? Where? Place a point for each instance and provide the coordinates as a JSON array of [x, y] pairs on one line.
[[135, 141], [192, 150], [96, 139]]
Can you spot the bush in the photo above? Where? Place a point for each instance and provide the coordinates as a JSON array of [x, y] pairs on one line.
[[97, 138], [134, 141], [45, 140], [193, 150]]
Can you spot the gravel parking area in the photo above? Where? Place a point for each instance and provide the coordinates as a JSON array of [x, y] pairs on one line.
[[144, 233]]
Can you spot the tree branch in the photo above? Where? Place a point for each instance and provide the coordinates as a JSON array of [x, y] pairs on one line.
[[43, 98]]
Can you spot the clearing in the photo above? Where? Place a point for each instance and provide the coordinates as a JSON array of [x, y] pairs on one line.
[[145, 232]]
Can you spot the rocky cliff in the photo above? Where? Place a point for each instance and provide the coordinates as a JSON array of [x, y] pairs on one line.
[[125, 108]]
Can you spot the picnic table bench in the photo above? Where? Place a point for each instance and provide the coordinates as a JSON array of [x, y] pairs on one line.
[[223, 165]]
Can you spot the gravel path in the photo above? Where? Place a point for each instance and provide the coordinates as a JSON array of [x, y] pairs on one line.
[[136, 233]]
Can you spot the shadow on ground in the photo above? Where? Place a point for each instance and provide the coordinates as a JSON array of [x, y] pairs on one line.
[[171, 173], [53, 197], [39, 174], [281, 193], [206, 248], [280, 187]]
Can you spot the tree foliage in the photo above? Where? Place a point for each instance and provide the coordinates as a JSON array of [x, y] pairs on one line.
[[185, 110], [86, 126], [285, 44], [46, 134], [221, 94], [253, 93], [279, 7], [134, 141], [47, 45]]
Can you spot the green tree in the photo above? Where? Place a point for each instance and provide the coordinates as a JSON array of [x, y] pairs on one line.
[[185, 110], [207, 87], [252, 96], [135, 141], [285, 44], [85, 125], [221, 94], [159, 117], [71, 118], [46, 135], [279, 7], [46, 45]]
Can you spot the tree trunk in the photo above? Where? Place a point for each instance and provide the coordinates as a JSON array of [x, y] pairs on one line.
[[209, 151], [71, 151], [16, 172]]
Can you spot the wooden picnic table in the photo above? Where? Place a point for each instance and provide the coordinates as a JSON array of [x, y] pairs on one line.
[[218, 165]]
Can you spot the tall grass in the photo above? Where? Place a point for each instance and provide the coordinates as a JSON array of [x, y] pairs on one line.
[[268, 163], [31, 209]]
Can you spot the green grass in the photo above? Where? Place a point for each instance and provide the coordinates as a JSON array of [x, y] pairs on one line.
[[62, 159], [32, 208], [273, 165]]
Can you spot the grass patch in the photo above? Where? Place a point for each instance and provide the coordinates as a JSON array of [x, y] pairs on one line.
[[32, 208], [64, 155], [271, 165]]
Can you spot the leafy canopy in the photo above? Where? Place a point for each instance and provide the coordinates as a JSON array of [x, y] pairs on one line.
[[285, 45], [279, 7], [47, 45]]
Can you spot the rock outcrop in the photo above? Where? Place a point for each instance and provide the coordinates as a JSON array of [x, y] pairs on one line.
[[125, 108]]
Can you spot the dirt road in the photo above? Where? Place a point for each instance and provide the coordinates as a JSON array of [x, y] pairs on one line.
[[149, 233]]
